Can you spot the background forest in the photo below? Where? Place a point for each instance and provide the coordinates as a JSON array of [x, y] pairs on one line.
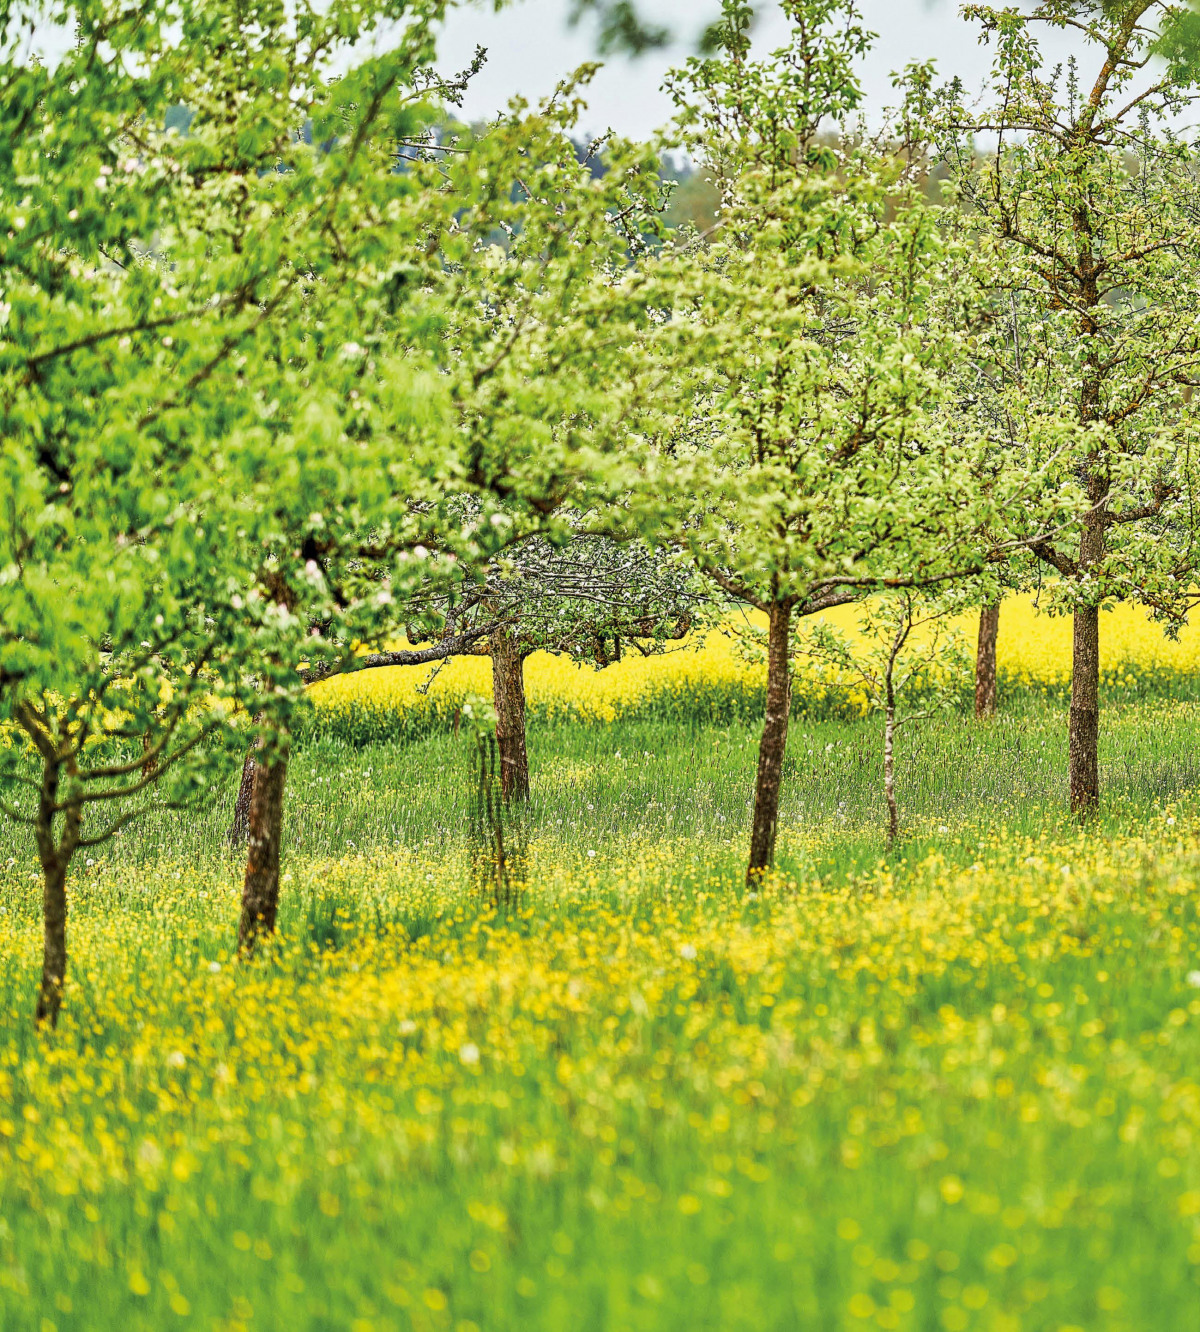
[[597, 734]]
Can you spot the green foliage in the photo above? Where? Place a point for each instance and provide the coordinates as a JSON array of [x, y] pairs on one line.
[[905, 658]]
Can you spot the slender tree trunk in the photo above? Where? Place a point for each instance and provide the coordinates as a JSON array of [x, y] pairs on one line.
[[239, 827], [1083, 740], [772, 746], [1084, 736], [54, 940], [508, 696], [260, 890], [889, 773], [985, 661]]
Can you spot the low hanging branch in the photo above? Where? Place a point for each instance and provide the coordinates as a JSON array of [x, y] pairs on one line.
[[61, 736]]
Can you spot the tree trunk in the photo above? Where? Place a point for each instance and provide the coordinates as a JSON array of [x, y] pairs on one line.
[[508, 697], [985, 661], [150, 762], [54, 939], [772, 746], [889, 772], [1084, 737], [239, 827], [55, 858], [260, 890]]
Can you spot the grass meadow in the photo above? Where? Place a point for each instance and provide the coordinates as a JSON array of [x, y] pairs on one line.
[[952, 1088]]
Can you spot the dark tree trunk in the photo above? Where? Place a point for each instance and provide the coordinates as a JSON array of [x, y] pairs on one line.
[[1084, 737], [54, 939], [239, 827], [772, 746], [985, 661], [260, 890], [508, 697], [55, 859]]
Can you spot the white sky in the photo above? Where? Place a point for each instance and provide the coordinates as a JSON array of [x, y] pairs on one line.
[[530, 48]]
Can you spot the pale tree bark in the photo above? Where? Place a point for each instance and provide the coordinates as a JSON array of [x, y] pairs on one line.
[[890, 725], [773, 744], [508, 697], [260, 888], [889, 771], [985, 661]]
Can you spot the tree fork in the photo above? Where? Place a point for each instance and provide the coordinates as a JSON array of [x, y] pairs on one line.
[[771, 747]]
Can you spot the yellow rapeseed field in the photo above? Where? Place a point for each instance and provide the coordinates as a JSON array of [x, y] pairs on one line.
[[711, 677]]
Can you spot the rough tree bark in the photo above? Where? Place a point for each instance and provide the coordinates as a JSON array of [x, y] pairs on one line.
[[239, 827], [774, 742], [55, 857], [54, 942], [150, 762], [508, 697], [985, 661], [260, 889], [1084, 732]]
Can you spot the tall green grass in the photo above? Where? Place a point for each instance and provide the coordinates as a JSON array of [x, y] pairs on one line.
[[952, 1089], [647, 781]]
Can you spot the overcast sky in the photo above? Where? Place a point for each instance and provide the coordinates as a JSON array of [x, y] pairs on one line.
[[530, 48]]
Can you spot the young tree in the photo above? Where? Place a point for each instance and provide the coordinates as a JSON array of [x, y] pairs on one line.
[[823, 303], [123, 644], [1085, 220], [904, 655]]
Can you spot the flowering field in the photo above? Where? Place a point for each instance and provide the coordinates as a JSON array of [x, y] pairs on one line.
[[965, 1101], [712, 680], [953, 1090]]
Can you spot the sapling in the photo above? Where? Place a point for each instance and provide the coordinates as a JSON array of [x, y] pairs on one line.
[[908, 661]]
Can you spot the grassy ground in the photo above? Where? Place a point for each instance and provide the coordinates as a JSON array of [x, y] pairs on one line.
[[950, 1089], [638, 784]]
